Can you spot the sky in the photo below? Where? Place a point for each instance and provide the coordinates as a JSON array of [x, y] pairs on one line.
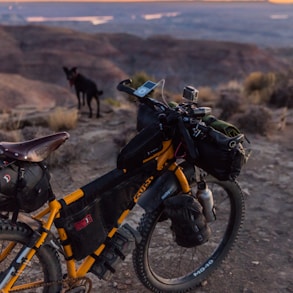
[[273, 1], [10, 1]]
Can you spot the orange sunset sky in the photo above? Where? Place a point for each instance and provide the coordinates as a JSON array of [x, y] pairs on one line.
[[272, 1]]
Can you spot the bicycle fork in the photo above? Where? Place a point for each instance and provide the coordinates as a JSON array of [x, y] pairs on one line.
[[19, 263]]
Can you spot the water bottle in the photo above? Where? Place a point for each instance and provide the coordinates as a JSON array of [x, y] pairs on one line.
[[205, 197]]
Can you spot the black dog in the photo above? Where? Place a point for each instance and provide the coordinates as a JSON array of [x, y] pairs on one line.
[[85, 87]]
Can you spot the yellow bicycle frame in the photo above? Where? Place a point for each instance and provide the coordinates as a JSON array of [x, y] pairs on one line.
[[163, 158]]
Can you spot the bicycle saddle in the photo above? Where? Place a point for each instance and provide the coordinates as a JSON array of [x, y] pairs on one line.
[[35, 150]]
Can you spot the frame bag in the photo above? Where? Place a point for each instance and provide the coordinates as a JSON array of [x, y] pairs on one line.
[[88, 220]]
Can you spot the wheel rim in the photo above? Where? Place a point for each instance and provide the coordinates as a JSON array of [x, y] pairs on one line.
[[33, 273], [171, 264]]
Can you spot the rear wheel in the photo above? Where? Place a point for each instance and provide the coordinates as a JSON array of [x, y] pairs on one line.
[[163, 266], [43, 268]]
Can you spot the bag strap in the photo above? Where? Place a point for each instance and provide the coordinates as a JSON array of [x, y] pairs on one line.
[[20, 184], [222, 126]]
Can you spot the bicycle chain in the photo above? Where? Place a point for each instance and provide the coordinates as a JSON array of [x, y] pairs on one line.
[[65, 282]]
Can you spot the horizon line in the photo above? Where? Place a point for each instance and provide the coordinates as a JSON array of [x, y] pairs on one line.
[[126, 1], [146, 1]]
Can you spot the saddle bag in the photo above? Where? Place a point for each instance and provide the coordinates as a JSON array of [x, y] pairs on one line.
[[24, 186], [188, 222]]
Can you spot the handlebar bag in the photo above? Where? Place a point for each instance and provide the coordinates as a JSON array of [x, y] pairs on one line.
[[218, 159], [23, 186]]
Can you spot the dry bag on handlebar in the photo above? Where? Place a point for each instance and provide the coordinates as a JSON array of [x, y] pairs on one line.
[[220, 155], [220, 125], [23, 185]]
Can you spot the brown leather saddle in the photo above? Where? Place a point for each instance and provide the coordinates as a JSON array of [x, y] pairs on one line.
[[35, 150]]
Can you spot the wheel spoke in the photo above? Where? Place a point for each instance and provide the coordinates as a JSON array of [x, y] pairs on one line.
[[163, 265]]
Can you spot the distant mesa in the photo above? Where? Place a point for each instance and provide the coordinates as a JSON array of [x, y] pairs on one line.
[[10, 18], [95, 20]]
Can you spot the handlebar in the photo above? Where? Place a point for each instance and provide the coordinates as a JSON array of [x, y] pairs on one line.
[[123, 86], [173, 116], [184, 119]]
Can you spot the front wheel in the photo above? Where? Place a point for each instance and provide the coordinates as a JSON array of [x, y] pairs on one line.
[[42, 273], [163, 266]]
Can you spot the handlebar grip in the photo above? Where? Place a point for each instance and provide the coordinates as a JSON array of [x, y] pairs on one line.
[[187, 139], [123, 86]]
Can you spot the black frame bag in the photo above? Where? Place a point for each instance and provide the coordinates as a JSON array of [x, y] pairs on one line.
[[88, 220], [84, 226]]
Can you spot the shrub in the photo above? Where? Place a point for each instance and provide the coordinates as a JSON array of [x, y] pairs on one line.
[[207, 97], [139, 78], [112, 102], [12, 121], [64, 155], [31, 132], [256, 119], [282, 95], [232, 86], [258, 87], [12, 136], [63, 119], [230, 102]]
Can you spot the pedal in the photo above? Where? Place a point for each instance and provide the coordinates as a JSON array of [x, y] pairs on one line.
[[133, 232], [122, 243]]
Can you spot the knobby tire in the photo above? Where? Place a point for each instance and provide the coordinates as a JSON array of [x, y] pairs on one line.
[[44, 266], [163, 266]]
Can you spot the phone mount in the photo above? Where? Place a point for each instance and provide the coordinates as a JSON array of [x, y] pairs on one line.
[[145, 89]]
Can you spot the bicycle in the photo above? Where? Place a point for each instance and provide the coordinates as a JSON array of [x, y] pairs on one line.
[[164, 163]]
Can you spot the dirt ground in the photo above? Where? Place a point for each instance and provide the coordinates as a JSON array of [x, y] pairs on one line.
[[262, 259]]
